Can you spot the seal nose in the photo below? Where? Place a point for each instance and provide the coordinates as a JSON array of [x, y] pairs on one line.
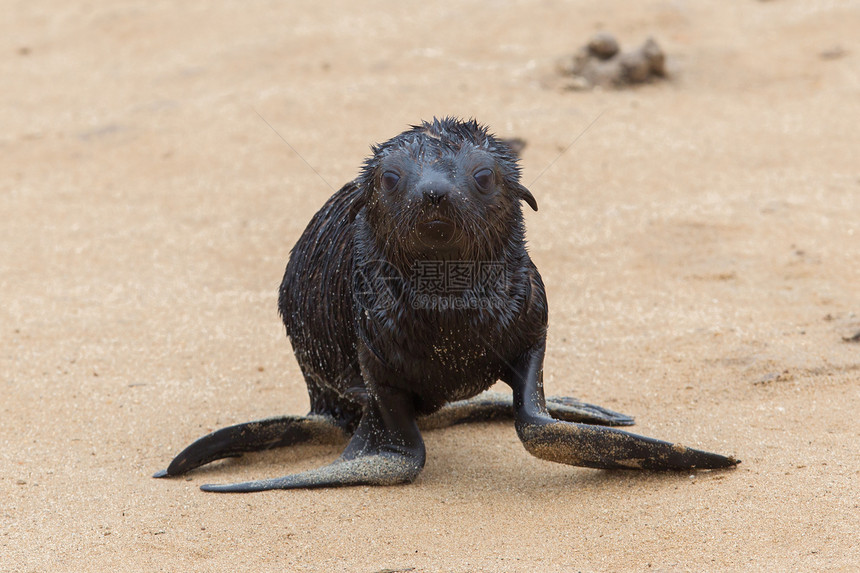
[[434, 191], [434, 196]]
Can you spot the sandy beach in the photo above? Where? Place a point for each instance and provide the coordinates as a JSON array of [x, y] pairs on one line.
[[699, 239]]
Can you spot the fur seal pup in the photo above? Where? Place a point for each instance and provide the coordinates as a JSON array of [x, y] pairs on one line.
[[408, 295]]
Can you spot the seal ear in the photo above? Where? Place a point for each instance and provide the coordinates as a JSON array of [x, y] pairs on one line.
[[522, 193]]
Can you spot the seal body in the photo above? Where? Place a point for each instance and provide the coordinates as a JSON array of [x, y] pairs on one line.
[[408, 294], [421, 263]]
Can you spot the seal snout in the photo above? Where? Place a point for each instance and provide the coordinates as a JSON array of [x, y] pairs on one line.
[[436, 223], [436, 230], [434, 190]]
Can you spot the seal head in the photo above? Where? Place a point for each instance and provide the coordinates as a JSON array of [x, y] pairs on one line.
[[445, 189]]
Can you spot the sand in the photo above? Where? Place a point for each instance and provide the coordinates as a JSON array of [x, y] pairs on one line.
[[699, 239]]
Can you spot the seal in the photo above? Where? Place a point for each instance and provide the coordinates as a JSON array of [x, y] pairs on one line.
[[408, 295]]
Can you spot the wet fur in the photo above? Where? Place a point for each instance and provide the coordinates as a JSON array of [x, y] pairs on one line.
[[439, 355]]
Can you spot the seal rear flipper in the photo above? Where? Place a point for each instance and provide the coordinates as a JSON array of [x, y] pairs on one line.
[[233, 441], [607, 448], [572, 410], [378, 469], [490, 406]]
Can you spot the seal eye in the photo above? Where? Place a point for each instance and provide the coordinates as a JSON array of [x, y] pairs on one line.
[[484, 179], [390, 179]]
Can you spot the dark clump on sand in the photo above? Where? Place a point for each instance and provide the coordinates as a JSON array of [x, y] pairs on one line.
[[602, 63]]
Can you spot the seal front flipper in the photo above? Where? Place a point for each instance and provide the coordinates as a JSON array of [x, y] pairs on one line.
[[386, 449], [607, 448], [378, 469], [587, 445], [233, 441]]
